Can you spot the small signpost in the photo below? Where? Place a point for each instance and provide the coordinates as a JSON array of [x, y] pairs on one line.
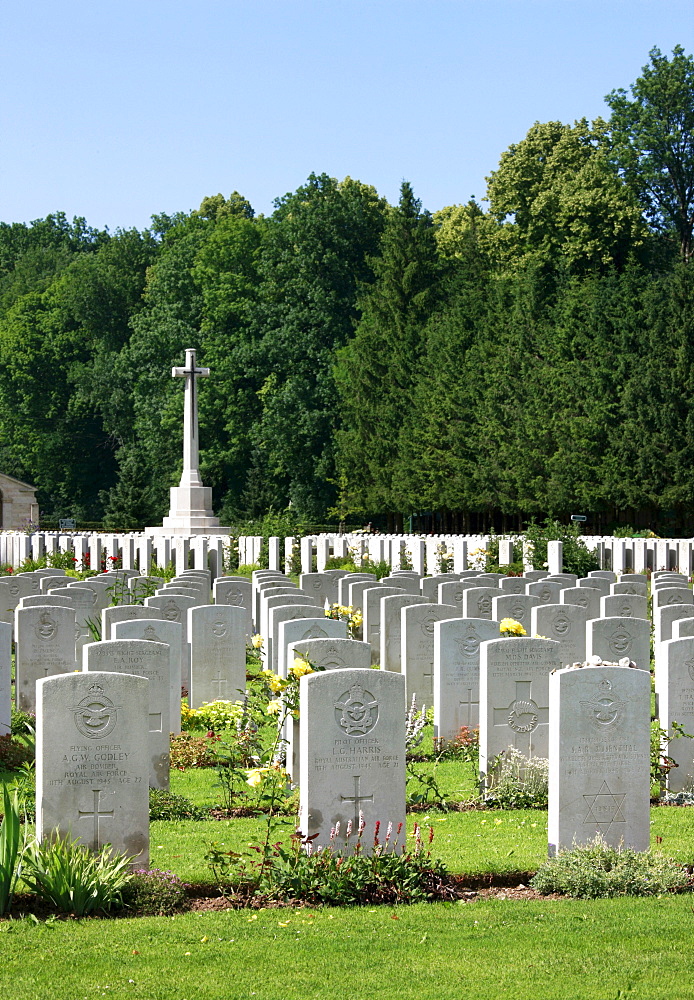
[[579, 517], [67, 524]]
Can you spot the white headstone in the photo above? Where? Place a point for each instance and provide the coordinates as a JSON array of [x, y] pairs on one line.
[[676, 704], [5, 678], [417, 648], [391, 629], [217, 639], [614, 638], [92, 761], [514, 705], [599, 758], [457, 673], [171, 633], [352, 756], [144, 659], [45, 646]]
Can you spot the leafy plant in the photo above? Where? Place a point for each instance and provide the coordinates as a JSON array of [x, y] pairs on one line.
[[170, 806], [515, 781], [153, 892], [74, 879], [192, 751], [23, 723], [661, 761], [10, 850], [14, 753], [293, 871], [599, 871], [213, 715]]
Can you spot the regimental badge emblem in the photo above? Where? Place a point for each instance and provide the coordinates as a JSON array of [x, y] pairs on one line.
[[46, 627], [523, 716], [171, 612], [469, 643], [518, 612], [621, 641], [219, 629], [96, 715], [484, 605], [316, 632], [427, 624], [625, 611], [235, 598], [562, 624], [332, 659], [604, 711], [675, 599], [689, 664], [14, 589], [582, 601], [545, 595], [356, 711], [151, 634]]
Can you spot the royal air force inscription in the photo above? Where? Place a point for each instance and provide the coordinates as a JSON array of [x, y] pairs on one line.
[[352, 753], [92, 761]]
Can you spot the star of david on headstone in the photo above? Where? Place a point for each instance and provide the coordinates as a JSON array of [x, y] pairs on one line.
[[604, 808]]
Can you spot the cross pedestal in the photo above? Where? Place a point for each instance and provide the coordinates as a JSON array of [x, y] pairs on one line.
[[190, 512]]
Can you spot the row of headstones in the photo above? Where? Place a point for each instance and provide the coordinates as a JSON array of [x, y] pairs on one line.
[[522, 710], [132, 550], [94, 750], [592, 724], [621, 555]]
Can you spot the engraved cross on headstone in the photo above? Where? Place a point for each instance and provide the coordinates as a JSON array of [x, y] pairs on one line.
[[220, 682], [96, 815], [357, 799], [469, 704], [191, 472], [522, 717]]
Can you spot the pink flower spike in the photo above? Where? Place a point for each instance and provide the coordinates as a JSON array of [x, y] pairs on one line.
[[349, 828], [337, 829], [431, 834], [389, 830], [399, 829], [362, 822], [332, 832]]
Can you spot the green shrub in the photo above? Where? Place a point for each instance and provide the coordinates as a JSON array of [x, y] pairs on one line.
[[331, 877], [14, 753], [598, 871], [74, 879], [155, 893], [193, 751], [515, 781], [169, 806], [23, 723]]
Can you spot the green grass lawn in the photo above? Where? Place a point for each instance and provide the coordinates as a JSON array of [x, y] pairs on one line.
[[547, 950]]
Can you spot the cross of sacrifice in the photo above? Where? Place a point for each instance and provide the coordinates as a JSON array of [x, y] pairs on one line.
[[357, 799], [190, 372], [84, 814]]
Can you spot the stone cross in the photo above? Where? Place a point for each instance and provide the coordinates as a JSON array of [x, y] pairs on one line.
[[469, 704], [522, 716], [191, 472], [96, 815], [357, 799]]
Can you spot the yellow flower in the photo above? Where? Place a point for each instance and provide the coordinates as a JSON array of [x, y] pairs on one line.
[[300, 667], [276, 683], [255, 776], [274, 707], [509, 626], [257, 640]]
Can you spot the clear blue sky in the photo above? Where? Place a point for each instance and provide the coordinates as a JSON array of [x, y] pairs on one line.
[[117, 109]]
